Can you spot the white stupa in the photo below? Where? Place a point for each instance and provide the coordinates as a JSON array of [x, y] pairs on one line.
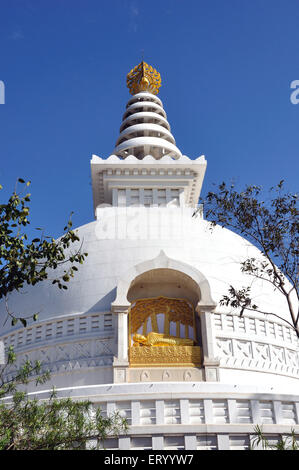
[[140, 328]]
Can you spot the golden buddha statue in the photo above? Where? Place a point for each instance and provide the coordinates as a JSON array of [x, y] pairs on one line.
[[160, 339]]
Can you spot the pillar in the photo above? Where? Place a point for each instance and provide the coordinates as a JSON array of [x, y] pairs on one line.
[[2, 355], [121, 361], [210, 362]]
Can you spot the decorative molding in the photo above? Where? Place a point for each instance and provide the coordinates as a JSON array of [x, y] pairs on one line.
[[61, 329], [64, 345], [131, 172], [273, 331], [255, 344]]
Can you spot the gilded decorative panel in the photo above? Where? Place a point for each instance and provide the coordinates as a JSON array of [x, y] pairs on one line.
[[150, 340]]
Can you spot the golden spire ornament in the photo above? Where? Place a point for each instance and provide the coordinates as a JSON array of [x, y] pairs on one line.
[[143, 77]]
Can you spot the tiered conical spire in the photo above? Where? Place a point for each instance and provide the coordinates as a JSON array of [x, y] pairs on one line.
[[145, 129]]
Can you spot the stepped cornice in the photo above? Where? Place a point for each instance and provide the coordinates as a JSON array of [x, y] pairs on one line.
[[186, 173]]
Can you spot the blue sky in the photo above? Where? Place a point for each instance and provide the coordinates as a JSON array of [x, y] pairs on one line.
[[226, 68]]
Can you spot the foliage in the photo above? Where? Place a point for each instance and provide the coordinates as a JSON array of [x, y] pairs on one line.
[[272, 225], [24, 261], [288, 442], [53, 424], [28, 423]]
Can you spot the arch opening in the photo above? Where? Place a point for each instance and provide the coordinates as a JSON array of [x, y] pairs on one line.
[[164, 282], [162, 324]]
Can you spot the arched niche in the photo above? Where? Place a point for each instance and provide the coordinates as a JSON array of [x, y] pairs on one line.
[[178, 278], [162, 301], [164, 278], [164, 282]]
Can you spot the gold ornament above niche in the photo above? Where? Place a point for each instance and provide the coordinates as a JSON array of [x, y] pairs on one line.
[[143, 77], [158, 348], [178, 311]]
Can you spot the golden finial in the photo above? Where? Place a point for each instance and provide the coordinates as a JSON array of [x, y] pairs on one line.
[[143, 77]]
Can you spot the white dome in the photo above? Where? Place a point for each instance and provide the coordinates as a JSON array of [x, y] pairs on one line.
[[216, 254]]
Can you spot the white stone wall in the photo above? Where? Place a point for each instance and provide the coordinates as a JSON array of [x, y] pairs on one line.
[[194, 415]]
